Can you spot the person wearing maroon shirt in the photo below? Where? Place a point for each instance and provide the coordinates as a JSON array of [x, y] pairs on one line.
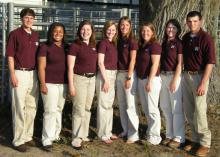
[[52, 72], [105, 81], [127, 81], [199, 57], [21, 54], [149, 82], [171, 89], [82, 66]]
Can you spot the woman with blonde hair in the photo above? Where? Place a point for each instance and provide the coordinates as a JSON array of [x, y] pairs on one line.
[[105, 82]]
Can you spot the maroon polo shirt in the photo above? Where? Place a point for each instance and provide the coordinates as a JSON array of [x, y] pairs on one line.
[[110, 51], [198, 51], [23, 47], [124, 48], [169, 55], [56, 63], [86, 57], [144, 61]]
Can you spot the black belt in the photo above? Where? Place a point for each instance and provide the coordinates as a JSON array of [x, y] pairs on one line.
[[194, 72], [25, 69], [88, 75]]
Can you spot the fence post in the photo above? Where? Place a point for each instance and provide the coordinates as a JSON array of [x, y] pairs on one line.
[[10, 17]]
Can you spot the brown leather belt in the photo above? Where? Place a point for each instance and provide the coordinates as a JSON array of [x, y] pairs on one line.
[[25, 69], [88, 75]]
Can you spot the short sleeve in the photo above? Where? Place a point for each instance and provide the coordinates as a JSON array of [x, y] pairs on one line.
[[73, 49], [179, 47], [42, 50], [156, 49], [11, 44], [210, 51], [133, 45], [102, 47]]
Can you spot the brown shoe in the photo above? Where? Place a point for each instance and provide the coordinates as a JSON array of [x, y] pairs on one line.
[[166, 141], [21, 148], [174, 144], [31, 143], [191, 146], [202, 151]]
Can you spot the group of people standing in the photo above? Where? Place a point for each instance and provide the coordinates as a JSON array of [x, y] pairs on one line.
[[116, 63]]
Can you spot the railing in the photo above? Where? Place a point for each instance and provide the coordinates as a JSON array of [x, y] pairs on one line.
[[70, 15]]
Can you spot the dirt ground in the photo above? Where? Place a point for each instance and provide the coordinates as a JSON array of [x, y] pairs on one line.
[[97, 148]]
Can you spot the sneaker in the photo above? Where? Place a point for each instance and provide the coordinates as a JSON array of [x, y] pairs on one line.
[[21, 148], [48, 148], [76, 145], [154, 140], [174, 144], [166, 141], [202, 151]]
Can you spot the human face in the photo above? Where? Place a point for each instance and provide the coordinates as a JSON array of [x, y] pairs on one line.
[[146, 33], [58, 34], [111, 32], [86, 32], [125, 27], [27, 21], [194, 24], [171, 31]]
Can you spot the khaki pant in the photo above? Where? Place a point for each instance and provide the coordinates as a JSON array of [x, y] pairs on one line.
[[82, 102], [172, 107], [24, 106], [195, 108], [105, 102], [149, 102], [127, 105], [54, 102]]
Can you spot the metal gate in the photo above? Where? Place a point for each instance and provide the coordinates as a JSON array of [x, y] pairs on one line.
[[70, 16]]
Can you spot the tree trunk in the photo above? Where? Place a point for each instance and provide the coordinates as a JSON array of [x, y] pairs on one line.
[[160, 11]]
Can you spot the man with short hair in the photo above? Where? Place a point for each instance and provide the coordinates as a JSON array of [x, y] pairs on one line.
[[21, 54], [199, 57]]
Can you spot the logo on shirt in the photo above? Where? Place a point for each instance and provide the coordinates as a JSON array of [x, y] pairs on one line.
[[196, 48], [146, 50], [36, 43], [94, 49], [172, 46], [125, 45]]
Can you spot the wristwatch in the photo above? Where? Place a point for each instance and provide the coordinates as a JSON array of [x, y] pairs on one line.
[[128, 78]]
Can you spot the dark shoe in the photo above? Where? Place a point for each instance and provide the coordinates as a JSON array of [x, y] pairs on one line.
[[31, 143], [202, 151], [21, 148], [191, 146], [174, 144], [48, 148], [166, 141]]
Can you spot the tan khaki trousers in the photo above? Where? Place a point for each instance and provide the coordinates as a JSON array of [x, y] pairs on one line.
[[82, 102], [105, 102], [24, 106], [195, 108]]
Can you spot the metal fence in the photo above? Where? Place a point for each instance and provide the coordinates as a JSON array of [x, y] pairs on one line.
[[70, 15]]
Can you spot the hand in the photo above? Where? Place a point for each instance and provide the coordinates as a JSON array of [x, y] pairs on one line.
[[201, 89], [43, 89], [172, 86], [127, 84], [72, 91], [105, 87], [148, 86], [14, 81]]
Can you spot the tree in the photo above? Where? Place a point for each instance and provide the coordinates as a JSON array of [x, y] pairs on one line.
[[160, 11]]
